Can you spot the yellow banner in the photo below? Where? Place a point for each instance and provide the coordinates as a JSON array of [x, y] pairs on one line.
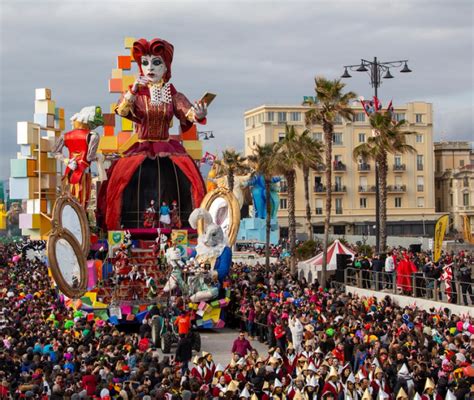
[[440, 230]]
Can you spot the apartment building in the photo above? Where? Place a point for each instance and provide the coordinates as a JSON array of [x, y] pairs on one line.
[[411, 200], [454, 182]]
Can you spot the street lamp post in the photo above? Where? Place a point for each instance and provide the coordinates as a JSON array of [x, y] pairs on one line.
[[375, 69]]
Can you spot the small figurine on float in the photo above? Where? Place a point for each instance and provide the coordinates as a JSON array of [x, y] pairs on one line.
[[150, 216], [82, 144], [173, 258], [175, 219], [121, 264], [151, 285], [165, 218], [162, 239], [136, 282]]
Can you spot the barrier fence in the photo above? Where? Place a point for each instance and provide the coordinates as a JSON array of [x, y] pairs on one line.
[[415, 285]]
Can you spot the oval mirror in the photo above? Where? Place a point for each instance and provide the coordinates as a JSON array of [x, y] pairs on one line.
[[67, 263], [225, 211], [69, 214]]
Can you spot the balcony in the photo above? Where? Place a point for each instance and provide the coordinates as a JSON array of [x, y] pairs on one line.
[[338, 189], [399, 167], [396, 188], [319, 189], [320, 168], [420, 188], [366, 189], [339, 166], [363, 167]]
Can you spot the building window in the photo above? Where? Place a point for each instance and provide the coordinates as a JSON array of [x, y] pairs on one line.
[[338, 205], [420, 183], [318, 136], [282, 117], [363, 202], [438, 165], [398, 160], [359, 117], [465, 199], [295, 116], [248, 142], [283, 203], [319, 207], [465, 182], [399, 117], [420, 202], [337, 138], [461, 163], [339, 229], [419, 118], [419, 162], [361, 137], [270, 116], [338, 120], [253, 141], [438, 184], [398, 202], [281, 136], [419, 138], [451, 201]]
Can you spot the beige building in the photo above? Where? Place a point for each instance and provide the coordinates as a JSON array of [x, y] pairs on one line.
[[411, 200], [454, 182]]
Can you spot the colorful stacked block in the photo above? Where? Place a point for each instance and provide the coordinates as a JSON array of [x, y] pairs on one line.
[[34, 174]]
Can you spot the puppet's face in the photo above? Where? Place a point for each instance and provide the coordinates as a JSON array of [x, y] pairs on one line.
[[153, 68]]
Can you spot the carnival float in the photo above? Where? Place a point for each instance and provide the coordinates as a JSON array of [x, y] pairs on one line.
[[128, 221]]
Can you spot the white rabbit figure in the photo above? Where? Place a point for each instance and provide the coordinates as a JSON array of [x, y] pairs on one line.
[[212, 247]]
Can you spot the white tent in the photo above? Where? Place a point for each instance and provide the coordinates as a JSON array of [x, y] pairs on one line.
[[311, 267]]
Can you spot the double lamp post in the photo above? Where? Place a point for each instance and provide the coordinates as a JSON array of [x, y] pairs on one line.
[[375, 69]]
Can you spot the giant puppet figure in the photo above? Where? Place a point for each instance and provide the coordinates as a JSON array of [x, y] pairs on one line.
[[82, 144], [156, 166]]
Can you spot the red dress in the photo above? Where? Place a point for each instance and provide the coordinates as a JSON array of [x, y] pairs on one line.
[[152, 123], [77, 144]]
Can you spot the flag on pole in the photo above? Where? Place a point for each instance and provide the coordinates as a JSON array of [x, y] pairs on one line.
[[440, 230], [447, 277]]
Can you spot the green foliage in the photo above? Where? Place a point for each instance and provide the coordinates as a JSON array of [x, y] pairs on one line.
[[364, 250], [306, 250]]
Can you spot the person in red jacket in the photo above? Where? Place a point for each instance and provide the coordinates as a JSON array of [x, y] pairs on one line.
[[280, 336]]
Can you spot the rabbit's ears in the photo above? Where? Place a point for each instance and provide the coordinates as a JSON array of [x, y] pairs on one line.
[[200, 213]]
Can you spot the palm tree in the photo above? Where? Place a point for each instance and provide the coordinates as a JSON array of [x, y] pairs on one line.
[[331, 103], [389, 138], [263, 163], [287, 158], [311, 151], [231, 164]]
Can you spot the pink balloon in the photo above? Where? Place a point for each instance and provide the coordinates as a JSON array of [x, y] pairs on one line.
[[471, 329], [459, 326], [16, 258]]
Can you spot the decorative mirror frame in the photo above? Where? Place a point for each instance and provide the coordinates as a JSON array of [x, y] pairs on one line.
[[234, 211], [63, 285], [66, 200]]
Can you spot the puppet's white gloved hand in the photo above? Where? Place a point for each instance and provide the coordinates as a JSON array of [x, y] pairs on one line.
[[200, 110]]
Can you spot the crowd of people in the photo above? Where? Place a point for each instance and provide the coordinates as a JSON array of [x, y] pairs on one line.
[[448, 279], [322, 344]]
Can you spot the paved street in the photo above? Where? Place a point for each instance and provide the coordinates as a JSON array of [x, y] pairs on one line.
[[219, 343]]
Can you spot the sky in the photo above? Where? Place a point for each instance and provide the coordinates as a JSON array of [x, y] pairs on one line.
[[248, 52]]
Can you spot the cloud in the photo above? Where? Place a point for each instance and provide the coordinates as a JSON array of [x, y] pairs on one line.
[[249, 53]]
